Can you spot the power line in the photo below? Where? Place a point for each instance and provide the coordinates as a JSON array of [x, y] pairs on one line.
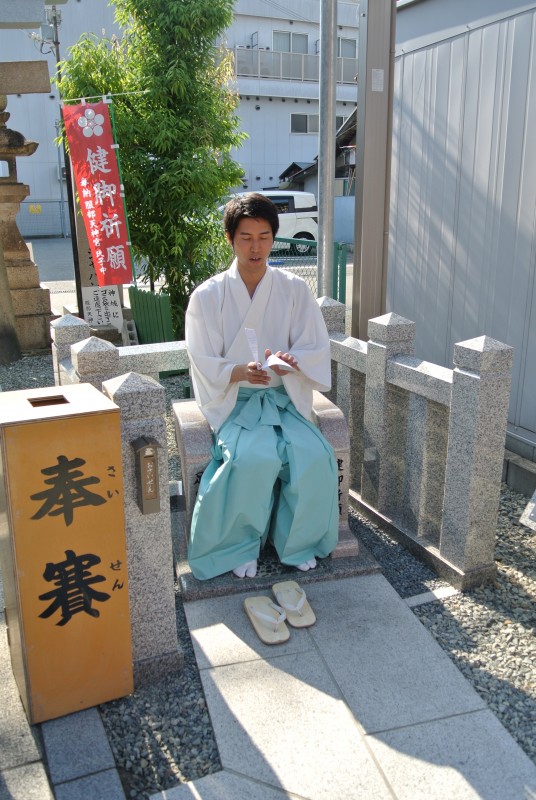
[[287, 12]]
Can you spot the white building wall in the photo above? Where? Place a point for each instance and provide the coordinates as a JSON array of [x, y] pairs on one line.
[[271, 148], [266, 105], [297, 11], [22, 14]]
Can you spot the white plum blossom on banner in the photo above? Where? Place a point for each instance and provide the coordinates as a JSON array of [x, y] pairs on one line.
[[91, 123]]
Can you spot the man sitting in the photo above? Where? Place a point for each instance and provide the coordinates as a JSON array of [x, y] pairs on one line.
[[272, 473]]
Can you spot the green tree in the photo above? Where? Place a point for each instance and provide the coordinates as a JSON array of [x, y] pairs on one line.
[[175, 120]]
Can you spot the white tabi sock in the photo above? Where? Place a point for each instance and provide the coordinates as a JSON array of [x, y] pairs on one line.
[[249, 569]]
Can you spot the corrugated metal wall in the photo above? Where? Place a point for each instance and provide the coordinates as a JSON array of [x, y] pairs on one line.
[[462, 253]]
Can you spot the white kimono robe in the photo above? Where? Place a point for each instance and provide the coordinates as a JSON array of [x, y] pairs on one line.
[[272, 472], [285, 316]]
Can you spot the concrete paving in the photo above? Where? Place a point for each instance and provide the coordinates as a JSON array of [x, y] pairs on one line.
[[364, 704]]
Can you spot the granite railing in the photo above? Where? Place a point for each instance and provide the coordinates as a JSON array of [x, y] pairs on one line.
[[426, 442]]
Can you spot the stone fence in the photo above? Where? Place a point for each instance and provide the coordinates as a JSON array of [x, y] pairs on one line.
[[427, 442]]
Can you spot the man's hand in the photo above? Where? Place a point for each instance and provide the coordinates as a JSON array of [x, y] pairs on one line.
[[251, 373], [287, 357]]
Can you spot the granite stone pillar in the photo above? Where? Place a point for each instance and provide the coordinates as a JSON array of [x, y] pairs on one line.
[[94, 361], [350, 357], [334, 314], [331, 422], [385, 414], [155, 645], [356, 416], [425, 462], [64, 332], [477, 430]]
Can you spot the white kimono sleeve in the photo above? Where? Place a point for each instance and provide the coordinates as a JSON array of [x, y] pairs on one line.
[[309, 344], [209, 369]]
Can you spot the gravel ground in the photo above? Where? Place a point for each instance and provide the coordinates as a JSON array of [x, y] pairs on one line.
[[162, 736]]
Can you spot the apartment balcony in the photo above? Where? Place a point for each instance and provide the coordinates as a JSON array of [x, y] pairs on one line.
[[255, 63]]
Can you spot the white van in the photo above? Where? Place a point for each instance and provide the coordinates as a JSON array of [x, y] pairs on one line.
[[298, 215]]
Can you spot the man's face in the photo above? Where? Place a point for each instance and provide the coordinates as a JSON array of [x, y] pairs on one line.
[[252, 243]]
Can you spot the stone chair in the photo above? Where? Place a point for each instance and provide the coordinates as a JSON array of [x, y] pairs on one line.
[[194, 440]]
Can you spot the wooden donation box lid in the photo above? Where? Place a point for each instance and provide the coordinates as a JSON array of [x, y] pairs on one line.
[[62, 549]]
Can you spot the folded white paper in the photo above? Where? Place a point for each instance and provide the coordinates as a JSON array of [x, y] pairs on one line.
[[271, 361], [251, 336]]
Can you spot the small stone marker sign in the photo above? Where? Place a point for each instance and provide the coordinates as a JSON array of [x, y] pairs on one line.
[[102, 306]]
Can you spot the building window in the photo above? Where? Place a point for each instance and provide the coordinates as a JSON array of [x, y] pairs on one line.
[[287, 42], [308, 123], [346, 48], [304, 123]]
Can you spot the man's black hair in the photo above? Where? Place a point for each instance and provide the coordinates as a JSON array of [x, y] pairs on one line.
[[253, 205]]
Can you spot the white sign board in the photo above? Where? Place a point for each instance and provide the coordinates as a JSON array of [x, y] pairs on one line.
[[528, 517], [102, 306], [377, 82]]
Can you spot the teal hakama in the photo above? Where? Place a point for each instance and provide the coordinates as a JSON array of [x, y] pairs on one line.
[[272, 474]]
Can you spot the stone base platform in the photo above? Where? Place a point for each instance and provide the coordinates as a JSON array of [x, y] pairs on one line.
[[270, 570]]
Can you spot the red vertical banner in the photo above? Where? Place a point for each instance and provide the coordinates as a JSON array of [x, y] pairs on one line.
[[96, 175]]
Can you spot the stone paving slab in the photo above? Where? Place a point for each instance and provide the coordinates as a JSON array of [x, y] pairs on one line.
[[362, 704], [221, 634], [76, 746], [466, 757], [18, 742], [102, 786], [392, 673], [28, 782], [282, 720], [223, 785]]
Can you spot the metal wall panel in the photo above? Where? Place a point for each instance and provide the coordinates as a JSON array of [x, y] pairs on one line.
[[462, 252]]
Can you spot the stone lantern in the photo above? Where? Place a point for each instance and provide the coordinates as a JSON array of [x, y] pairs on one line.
[[26, 304]]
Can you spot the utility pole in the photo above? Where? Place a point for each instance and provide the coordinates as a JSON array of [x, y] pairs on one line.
[[57, 125], [54, 19], [377, 22], [326, 151]]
